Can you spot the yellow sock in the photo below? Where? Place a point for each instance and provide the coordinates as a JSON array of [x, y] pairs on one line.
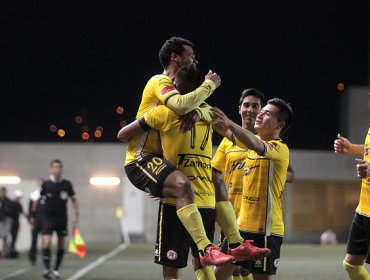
[[249, 277], [192, 221], [225, 217], [356, 272], [237, 277], [205, 273]]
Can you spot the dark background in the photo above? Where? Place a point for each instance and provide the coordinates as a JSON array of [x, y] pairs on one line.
[[61, 59]]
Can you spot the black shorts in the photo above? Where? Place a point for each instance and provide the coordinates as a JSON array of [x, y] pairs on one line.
[[267, 265], [149, 174], [173, 241], [359, 237], [54, 223]]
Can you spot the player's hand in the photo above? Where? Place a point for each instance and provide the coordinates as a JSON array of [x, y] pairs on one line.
[[188, 121], [74, 220], [220, 117], [363, 168], [213, 77], [342, 145]]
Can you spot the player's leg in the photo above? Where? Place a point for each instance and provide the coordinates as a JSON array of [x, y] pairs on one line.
[[171, 273], [61, 230], [161, 179], [357, 248], [46, 247], [204, 272], [225, 217], [172, 242]]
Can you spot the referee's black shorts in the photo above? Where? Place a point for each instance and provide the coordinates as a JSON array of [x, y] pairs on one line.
[[173, 241], [359, 237], [149, 173], [49, 224]]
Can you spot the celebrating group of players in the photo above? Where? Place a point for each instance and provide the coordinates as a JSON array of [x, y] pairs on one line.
[[169, 155]]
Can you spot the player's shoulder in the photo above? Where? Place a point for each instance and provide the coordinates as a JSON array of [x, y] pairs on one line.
[[161, 79], [277, 144]]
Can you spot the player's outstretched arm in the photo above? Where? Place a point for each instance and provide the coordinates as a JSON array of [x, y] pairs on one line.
[[245, 138], [129, 131], [183, 104], [363, 168], [343, 146]]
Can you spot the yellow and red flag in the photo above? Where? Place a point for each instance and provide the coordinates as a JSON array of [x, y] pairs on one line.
[[77, 244]]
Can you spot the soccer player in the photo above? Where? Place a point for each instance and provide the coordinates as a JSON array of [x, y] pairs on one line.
[[229, 160], [15, 209], [265, 173], [160, 178], [194, 161], [359, 236], [54, 196]]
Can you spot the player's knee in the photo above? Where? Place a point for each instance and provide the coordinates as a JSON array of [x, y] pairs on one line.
[[184, 189]]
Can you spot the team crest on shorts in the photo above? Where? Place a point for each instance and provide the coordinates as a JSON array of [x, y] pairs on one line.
[[276, 262], [171, 255]]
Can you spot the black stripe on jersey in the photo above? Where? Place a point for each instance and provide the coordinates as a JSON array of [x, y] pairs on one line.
[[168, 97], [194, 155], [144, 125]]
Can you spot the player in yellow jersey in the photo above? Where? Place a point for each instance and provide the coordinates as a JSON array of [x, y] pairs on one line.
[[265, 173], [229, 159], [359, 236], [197, 167], [144, 165]]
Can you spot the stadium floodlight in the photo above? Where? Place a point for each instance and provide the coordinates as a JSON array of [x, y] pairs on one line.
[[9, 180], [105, 181]]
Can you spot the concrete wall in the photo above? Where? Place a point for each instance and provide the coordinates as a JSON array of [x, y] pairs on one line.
[[98, 204]]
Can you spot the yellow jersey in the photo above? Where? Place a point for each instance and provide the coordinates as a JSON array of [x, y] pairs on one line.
[[229, 159], [363, 207], [189, 152], [158, 90], [263, 185]]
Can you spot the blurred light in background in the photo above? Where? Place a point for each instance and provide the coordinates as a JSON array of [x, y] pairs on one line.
[[340, 86], [61, 133], [53, 128], [85, 136], [78, 119], [105, 181], [97, 134], [10, 180], [99, 128], [120, 110]]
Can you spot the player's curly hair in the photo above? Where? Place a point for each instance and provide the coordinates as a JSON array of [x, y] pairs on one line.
[[285, 113], [187, 79], [172, 45]]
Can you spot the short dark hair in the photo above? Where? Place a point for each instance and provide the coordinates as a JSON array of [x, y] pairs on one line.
[[56, 161], [172, 45], [252, 92], [187, 78], [285, 113]]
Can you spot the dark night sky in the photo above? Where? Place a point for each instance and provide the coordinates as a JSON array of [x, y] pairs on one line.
[[61, 59]]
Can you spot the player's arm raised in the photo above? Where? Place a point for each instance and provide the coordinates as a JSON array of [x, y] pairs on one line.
[[183, 104], [244, 138], [343, 146]]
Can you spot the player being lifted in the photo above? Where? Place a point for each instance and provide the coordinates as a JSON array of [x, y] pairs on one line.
[[265, 173], [198, 171], [359, 236], [229, 160]]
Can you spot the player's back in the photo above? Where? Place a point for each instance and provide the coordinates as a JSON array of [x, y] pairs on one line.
[[157, 91], [189, 152]]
